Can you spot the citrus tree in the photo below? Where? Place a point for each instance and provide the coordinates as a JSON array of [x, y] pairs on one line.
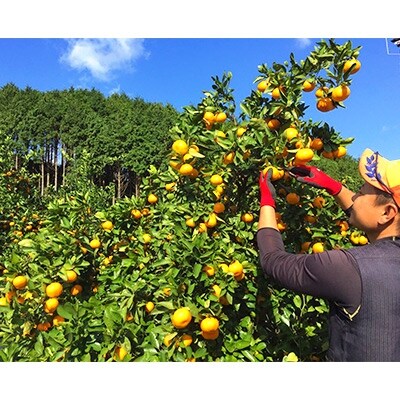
[[173, 274]]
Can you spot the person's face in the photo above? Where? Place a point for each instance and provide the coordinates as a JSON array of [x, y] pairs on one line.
[[365, 212]]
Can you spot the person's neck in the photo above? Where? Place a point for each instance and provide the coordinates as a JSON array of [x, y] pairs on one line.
[[386, 233]]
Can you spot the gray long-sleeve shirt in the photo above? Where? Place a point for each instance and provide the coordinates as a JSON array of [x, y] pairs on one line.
[[332, 275]]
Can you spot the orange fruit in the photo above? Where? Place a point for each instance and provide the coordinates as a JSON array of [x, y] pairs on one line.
[[212, 335], [276, 92], [95, 243], [54, 289], [341, 151], [57, 320], [175, 164], [169, 187], [321, 92], [181, 318], [310, 218], [167, 291], [43, 326], [247, 217], [325, 104], [316, 144], [273, 124], [262, 86], [152, 198], [3, 301], [236, 268], [216, 180], [290, 133], [319, 202], [194, 174], [327, 154], [186, 169], [186, 340], [220, 117], [149, 307], [202, 227], [120, 353], [168, 339], [76, 289], [308, 86], [51, 305], [20, 282], [180, 147], [219, 208], [136, 214], [240, 131], [277, 173], [305, 246], [228, 158], [146, 238], [340, 93], [293, 198], [107, 225], [349, 63], [72, 276], [211, 221], [209, 270], [209, 324], [317, 247], [344, 226], [217, 290], [362, 240], [304, 155], [190, 223]]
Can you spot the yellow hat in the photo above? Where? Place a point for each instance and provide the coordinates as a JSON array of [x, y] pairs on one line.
[[381, 173]]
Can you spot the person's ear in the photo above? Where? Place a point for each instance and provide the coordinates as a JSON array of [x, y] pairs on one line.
[[389, 212]]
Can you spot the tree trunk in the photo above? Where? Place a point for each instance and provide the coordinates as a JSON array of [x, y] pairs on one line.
[[42, 177], [55, 162]]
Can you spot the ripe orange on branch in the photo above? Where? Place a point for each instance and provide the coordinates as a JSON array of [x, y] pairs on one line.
[[304, 155], [349, 63], [51, 305], [181, 318], [180, 147], [247, 217], [71, 276], [20, 282], [340, 93], [290, 133], [325, 104], [186, 169], [308, 86], [262, 86], [95, 243], [209, 324], [107, 225], [293, 198], [54, 289], [216, 180], [152, 198]]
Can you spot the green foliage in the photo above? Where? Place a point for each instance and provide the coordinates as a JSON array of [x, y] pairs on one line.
[[152, 254]]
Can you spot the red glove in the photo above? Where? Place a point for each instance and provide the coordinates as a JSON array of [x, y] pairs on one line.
[[315, 177], [267, 190]]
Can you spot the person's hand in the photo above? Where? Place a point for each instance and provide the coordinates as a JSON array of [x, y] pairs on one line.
[[267, 190], [315, 177]]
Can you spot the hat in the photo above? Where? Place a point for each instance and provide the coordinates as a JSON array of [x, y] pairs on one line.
[[381, 173]]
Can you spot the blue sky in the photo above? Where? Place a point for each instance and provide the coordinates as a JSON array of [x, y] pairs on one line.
[[177, 70]]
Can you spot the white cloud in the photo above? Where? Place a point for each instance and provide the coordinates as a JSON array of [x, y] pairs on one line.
[[304, 42], [103, 57]]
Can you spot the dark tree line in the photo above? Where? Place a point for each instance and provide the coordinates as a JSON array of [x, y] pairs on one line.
[[117, 136]]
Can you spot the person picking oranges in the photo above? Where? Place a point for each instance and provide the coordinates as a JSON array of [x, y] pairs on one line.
[[361, 284]]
